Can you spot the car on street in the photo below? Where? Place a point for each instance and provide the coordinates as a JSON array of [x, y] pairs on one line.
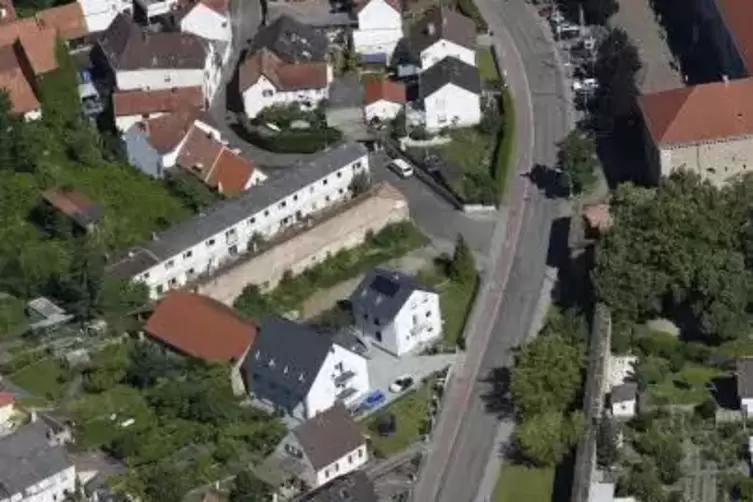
[[585, 85], [401, 167], [401, 384]]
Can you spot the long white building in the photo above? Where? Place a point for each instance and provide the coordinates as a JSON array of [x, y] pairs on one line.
[[202, 244]]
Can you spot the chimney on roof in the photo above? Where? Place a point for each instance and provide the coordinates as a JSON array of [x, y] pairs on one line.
[[431, 29], [725, 79], [155, 237], [3, 12], [34, 416]]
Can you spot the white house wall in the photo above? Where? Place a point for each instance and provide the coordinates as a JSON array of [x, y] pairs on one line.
[[153, 80], [51, 489], [382, 110], [348, 463], [231, 241], [452, 106], [124, 122], [376, 41], [207, 23], [324, 390], [379, 15], [418, 323], [287, 448], [444, 48], [255, 100], [99, 14]]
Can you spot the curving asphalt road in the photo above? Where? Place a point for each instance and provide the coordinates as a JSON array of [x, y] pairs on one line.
[[468, 435]]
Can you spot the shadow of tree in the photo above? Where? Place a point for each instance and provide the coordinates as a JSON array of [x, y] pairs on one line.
[[497, 398]]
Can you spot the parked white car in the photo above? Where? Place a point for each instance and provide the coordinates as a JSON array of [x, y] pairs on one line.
[[401, 384], [402, 168], [585, 85]]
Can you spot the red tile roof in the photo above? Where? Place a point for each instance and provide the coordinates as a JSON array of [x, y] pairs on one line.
[[199, 153], [67, 19], [73, 204], [201, 327], [6, 398], [15, 81], [127, 103], [737, 15], [382, 89], [37, 41], [699, 113], [231, 173], [167, 131], [8, 15], [285, 77]]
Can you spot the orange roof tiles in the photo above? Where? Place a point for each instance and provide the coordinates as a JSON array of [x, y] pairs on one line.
[[737, 15], [699, 113], [382, 89], [231, 173], [286, 77], [74, 204], [167, 131], [199, 153], [201, 327], [6, 398], [15, 82], [67, 19], [167, 100], [38, 43]]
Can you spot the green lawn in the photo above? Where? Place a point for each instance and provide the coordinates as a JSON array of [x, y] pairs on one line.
[[487, 66], [517, 483], [688, 386], [456, 301], [411, 412], [44, 378]]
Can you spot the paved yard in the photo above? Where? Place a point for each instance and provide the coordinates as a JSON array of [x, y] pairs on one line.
[[659, 72]]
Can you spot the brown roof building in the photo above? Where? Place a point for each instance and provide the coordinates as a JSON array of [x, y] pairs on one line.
[[7, 12], [201, 327], [68, 20], [16, 80], [706, 128], [329, 436], [383, 89], [166, 132], [126, 103], [285, 77], [75, 205], [37, 41], [441, 23]]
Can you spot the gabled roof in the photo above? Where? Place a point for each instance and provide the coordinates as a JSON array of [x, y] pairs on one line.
[[737, 15], [395, 4], [383, 89], [219, 6], [329, 436], [383, 292], [231, 174], [166, 132], [449, 71], [15, 81], [440, 23], [745, 378], [201, 327], [26, 458], [287, 354], [292, 41], [353, 487], [67, 19], [38, 43], [623, 393], [199, 152], [285, 77], [699, 113], [129, 47], [7, 12], [74, 204], [127, 103]]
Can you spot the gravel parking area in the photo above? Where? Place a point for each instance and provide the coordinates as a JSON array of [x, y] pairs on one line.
[[660, 70]]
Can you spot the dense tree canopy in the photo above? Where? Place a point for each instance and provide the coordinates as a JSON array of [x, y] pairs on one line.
[[617, 65], [680, 251], [576, 156]]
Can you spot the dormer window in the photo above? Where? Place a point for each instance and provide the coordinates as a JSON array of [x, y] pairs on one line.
[[272, 363]]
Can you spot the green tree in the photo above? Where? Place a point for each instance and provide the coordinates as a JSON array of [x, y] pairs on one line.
[[546, 376], [594, 11], [643, 483], [249, 488], [147, 364], [577, 158], [254, 304], [359, 184], [463, 264], [607, 452], [617, 64], [545, 438]]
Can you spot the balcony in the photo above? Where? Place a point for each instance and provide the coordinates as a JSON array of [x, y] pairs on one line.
[[346, 393], [344, 377]]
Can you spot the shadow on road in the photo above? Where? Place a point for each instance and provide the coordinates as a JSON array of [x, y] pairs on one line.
[[497, 399]]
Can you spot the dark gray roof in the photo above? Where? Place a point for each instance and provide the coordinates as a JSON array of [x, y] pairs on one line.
[[292, 41], [353, 487], [227, 213], [745, 378], [288, 354], [440, 23], [329, 436], [346, 91], [27, 458], [383, 292], [449, 71], [129, 47], [623, 392]]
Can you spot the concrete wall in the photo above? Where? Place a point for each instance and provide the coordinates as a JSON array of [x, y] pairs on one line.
[[345, 229], [717, 161]]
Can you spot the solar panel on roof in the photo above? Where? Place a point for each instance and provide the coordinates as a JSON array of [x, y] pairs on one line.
[[385, 286]]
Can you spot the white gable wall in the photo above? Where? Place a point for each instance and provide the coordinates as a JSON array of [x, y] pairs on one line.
[[50, 489], [99, 14], [444, 48], [263, 94], [124, 122], [379, 15], [157, 79], [346, 464], [382, 110], [324, 390], [207, 23], [452, 106], [419, 322]]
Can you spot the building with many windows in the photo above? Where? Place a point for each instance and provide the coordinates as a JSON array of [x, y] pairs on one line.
[[222, 233]]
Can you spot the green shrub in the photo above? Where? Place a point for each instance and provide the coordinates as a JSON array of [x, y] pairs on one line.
[[469, 9]]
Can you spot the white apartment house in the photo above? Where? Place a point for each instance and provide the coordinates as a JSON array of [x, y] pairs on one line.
[[208, 19], [443, 33], [265, 80], [301, 372], [34, 467], [396, 312], [325, 447], [223, 233], [623, 400], [142, 60], [380, 28], [706, 129], [383, 100], [99, 14], [449, 96]]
